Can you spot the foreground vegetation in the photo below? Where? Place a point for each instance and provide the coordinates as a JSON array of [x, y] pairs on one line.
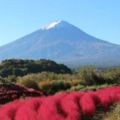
[[53, 78], [87, 78], [10, 92], [65, 106], [114, 114]]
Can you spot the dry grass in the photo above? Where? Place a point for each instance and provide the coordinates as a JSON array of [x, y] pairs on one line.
[[114, 114]]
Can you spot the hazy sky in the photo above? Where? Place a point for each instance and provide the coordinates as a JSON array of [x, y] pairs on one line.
[[100, 18]]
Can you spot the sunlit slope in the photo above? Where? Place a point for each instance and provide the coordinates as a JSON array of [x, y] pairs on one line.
[[63, 42]]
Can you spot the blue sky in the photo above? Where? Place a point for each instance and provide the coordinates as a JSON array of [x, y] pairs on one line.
[[100, 18]]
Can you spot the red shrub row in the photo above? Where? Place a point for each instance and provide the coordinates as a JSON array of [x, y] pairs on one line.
[[62, 106], [9, 92]]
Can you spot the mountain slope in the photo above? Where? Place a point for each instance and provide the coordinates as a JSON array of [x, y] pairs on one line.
[[63, 42]]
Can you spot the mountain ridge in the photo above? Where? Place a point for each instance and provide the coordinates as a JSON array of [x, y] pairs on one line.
[[62, 42]]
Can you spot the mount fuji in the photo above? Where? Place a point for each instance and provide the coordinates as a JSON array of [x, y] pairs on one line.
[[64, 43]]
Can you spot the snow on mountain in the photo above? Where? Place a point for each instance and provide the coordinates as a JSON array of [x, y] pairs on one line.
[[65, 43], [52, 25]]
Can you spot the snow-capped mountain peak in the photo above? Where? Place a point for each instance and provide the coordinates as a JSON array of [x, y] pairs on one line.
[[65, 43], [52, 25]]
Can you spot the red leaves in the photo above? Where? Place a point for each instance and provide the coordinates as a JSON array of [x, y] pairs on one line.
[[64, 106], [70, 106], [108, 96], [9, 92], [49, 110], [88, 104]]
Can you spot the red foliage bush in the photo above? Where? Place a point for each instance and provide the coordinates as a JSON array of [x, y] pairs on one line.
[[108, 96], [62, 106], [10, 92], [88, 104]]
